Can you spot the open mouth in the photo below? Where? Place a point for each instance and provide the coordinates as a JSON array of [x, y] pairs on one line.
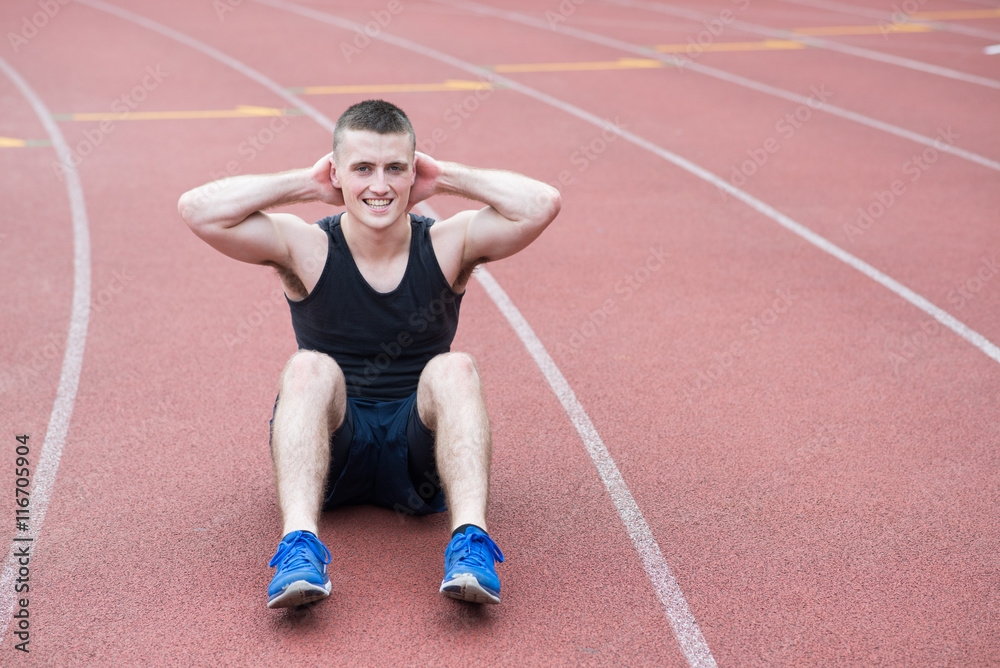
[[378, 205]]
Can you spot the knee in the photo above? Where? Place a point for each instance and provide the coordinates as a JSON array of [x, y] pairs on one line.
[[457, 371], [313, 373]]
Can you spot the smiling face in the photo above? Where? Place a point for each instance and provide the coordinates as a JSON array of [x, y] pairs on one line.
[[375, 172]]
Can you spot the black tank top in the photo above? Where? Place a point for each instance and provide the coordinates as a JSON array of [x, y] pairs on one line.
[[381, 340]]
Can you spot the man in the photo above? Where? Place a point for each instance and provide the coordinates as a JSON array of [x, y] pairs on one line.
[[373, 408]]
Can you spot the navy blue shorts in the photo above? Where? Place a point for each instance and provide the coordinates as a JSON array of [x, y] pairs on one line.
[[383, 455]]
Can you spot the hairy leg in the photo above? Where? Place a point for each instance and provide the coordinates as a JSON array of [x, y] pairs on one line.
[[450, 402], [311, 405]]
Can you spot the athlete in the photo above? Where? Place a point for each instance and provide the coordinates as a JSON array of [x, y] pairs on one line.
[[373, 408]]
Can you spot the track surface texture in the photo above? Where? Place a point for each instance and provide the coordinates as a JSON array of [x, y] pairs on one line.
[[744, 390]]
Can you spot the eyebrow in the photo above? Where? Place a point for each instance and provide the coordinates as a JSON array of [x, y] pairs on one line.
[[361, 163]]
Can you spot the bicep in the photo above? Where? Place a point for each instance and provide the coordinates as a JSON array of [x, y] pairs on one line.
[[489, 236], [260, 238]]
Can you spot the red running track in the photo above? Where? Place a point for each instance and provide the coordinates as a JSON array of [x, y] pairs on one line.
[[814, 456]]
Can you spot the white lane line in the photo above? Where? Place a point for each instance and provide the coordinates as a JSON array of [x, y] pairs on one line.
[[682, 622], [689, 637], [215, 54], [685, 628], [946, 319], [728, 77], [817, 42], [992, 50], [893, 18], [76, 340]]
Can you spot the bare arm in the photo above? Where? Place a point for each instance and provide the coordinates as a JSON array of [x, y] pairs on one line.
[[228, 214], [518, 208]]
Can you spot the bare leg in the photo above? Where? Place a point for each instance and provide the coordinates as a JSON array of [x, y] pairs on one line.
[[311, 406], [450, 402]]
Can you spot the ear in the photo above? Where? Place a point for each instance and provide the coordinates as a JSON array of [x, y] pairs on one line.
[[334, 179]]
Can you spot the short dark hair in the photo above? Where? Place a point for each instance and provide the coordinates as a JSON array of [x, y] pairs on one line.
[[377, 116]]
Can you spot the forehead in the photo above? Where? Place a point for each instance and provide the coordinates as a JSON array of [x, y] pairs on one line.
[[368, 146]]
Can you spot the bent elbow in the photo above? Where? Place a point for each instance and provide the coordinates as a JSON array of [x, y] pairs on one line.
[[549, 204], [555, 203], [190, 212]]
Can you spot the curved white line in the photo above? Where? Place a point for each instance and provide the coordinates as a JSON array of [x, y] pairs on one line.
[[946, 319], [746, 26], [44, 477], [728, 77], [689, 637], [215, 54], [683, 624]]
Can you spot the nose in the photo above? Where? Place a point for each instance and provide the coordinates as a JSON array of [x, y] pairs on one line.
[[380, 185]]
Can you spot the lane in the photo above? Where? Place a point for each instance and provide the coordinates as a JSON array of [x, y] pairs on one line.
[[685, 628], [633, 34], [808, 35]]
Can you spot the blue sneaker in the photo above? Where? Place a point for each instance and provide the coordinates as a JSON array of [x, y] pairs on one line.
[[470, 567], [301, 577]]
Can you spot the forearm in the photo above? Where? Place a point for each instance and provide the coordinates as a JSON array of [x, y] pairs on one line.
[[229, 201], [514, 196]]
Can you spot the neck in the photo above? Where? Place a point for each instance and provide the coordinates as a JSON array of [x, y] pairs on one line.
[[375, 244]]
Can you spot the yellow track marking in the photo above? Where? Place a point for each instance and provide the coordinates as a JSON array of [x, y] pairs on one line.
[[242, 111], [766, 45], [449, 84], [863, 30], [10, 142], [620, 64]]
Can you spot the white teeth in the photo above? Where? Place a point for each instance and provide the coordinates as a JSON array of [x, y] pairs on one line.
[[377, 203]]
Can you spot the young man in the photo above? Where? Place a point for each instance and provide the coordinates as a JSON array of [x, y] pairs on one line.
[[373, 408]]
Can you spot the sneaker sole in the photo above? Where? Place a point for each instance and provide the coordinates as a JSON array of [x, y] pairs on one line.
[[300, 593], [466, 587]]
